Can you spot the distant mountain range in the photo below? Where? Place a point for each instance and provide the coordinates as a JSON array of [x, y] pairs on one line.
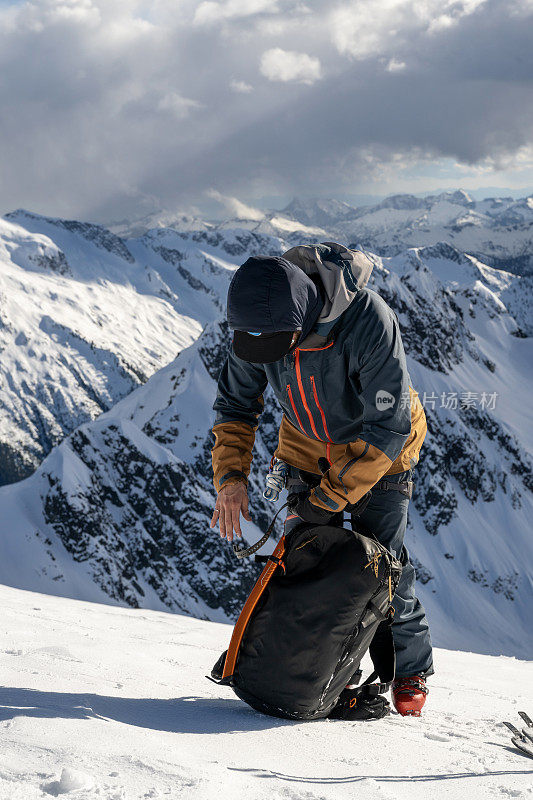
[[119, 509], [496, 230]]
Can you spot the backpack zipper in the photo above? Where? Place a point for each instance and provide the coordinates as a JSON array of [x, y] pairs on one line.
[[353, 636]]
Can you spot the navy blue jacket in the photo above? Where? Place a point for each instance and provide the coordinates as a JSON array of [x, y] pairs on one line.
[[355, 387]]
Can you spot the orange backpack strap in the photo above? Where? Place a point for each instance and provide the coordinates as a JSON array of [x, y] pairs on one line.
[[248, 608]]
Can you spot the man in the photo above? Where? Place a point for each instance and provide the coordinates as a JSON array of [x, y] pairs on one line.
[[331, 350]]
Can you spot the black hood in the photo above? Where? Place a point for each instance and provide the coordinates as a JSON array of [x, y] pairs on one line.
[[269, 294]]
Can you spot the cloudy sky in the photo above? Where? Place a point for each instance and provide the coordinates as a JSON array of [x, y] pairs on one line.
[[117, 107]]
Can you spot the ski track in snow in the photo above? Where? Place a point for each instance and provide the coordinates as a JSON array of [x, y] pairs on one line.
[[104, 703]]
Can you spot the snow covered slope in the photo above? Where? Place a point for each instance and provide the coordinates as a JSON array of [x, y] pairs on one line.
[[120, 509], [85, 317], [103, 703], [498, 230]]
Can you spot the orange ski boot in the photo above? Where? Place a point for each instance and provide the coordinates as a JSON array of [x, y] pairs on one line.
[[409, 695]]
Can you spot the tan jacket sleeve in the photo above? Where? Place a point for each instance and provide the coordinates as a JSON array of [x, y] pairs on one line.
[[232, 453]]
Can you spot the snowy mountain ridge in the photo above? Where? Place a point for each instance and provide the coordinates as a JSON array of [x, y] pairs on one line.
[[86, 316], [119, 511], [496, 230]]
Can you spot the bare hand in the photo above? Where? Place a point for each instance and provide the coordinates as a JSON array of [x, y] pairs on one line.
[[232, 500]]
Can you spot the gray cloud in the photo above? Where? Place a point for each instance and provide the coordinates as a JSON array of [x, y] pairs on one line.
[[104, 111]]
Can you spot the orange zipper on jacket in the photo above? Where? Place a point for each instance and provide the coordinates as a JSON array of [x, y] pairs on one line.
[[302, 395], [306, 406], [315, 395], [289, 392]]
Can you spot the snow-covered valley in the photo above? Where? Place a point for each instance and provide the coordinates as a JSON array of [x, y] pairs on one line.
[[106, 703]]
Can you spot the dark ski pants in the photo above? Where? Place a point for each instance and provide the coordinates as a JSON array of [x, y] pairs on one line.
[[386, 517]]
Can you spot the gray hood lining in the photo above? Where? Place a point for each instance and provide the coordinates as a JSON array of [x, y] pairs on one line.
[[342, 272]]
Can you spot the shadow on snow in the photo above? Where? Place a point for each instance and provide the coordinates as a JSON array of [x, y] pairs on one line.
[[175, 715], [196, 715]]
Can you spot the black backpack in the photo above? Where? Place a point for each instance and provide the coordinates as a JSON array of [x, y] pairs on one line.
[[323, 599]]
